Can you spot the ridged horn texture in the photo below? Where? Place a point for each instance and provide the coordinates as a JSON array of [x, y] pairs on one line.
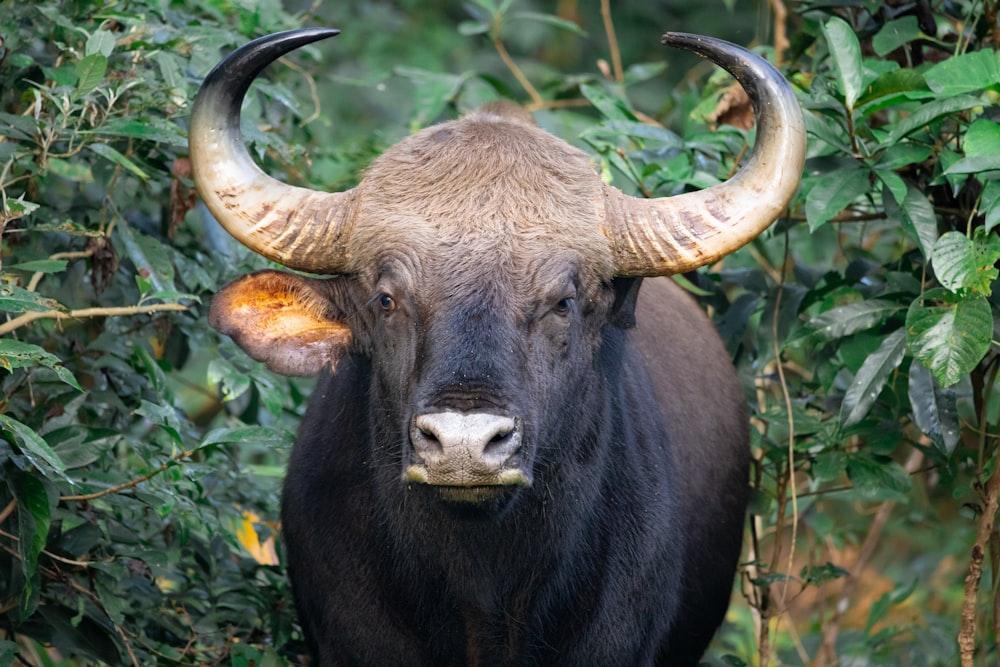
[[300, 228], [654, 237]]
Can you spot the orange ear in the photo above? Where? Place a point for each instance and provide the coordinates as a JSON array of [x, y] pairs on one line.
[[283, 320]]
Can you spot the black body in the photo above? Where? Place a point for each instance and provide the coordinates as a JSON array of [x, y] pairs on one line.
[[622, 552]]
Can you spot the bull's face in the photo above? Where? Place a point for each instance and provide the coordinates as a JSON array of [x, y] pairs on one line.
[[473, 266], [480, 320]]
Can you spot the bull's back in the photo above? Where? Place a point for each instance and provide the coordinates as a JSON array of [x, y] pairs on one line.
[[705, 412]]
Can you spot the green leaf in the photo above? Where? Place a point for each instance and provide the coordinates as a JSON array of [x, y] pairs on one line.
[[101, 42], [815, 575], [234, 382], [432, 91], [916, 214], [893, 182], [963, 263], [974, 165], [935, 409], [17, 208], [147, 129], [845, 320], [42, 266], [14, 299], [903, 155], [828, 466], [948, 333], [16, 354], [637, 72], [611, 107], [871, 378], [34, 448], [34, 517], [982, 138], [71, 171], [969, 72], [894, 34], [151, 259], [892, 88], [249, 434], [556, 21], [982, 149], [990, 204], [164, 416], [90, 73], [833, 192], [928, 112], [110, 153], [469, 28], [845, 50], [873, 476]]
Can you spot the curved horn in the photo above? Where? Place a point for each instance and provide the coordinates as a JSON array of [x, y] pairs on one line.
[[652, 237], [300, 228]]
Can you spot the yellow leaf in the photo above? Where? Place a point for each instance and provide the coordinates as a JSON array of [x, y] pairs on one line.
[[246, 533]]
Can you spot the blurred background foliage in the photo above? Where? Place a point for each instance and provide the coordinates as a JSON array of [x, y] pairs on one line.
[[141, 456]]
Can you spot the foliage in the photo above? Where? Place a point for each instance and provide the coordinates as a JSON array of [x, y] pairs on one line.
[[141, 454]]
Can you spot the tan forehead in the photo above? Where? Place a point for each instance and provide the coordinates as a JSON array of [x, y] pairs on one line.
[[482, 183]]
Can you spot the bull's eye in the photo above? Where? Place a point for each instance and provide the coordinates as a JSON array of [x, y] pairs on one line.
[[563, 306], [386, 303]]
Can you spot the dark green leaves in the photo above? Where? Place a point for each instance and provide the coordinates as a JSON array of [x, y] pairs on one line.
[[962, 263], [845, 51], [871, 378], [949, 334]]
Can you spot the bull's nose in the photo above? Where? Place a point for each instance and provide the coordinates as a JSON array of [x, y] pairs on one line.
[[465, 449]]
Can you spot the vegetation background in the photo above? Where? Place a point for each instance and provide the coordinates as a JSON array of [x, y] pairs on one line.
[[141, 455]]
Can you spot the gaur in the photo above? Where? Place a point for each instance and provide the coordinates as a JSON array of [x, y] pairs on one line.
[[512, 455]]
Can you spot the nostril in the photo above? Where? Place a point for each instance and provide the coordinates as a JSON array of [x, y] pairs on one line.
[[499, 441]]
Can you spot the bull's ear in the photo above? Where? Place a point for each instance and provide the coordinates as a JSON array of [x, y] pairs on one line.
[[287, 321]]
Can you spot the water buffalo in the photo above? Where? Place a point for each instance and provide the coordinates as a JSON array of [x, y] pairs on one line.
[[511, 457]]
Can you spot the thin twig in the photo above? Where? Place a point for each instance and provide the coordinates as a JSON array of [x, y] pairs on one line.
[[37, 277], [791, 424], [7, 511], [117, 311], [179, 456], [313, 93], [609, 30], [967, 634], [780, 31], [537, 102]]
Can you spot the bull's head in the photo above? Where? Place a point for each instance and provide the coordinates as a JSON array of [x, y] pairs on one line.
[[474, 267]]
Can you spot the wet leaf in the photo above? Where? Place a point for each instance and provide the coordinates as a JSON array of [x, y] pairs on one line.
[[894, 34], [935, 409], [34, 448], [948, 333], [873, 476], [871, 378], [845, 50]]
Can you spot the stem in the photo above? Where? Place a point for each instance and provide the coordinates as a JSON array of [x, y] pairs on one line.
[[609, 30], [180, 456], [7, 511], [791, 426], [27, 318], [781, 42], [536, 100], [967, 634]]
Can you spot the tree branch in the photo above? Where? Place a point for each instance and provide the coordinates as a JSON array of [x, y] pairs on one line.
[[179, 456], [609, 29], [28, 318]]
